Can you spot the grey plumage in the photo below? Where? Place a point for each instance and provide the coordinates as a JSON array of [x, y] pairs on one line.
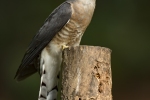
[[63, 28], [57, 19]]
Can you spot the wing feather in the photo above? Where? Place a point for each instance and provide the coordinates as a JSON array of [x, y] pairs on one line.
[[53, 24]]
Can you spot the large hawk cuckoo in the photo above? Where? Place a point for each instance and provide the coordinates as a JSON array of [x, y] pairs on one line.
[[63, 28]]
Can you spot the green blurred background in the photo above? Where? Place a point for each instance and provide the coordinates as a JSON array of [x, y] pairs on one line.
[[121, 25]]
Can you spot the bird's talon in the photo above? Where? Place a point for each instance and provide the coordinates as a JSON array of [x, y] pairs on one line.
[[64, 47]]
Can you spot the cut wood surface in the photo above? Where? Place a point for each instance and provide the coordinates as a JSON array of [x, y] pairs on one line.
[[86, 73]]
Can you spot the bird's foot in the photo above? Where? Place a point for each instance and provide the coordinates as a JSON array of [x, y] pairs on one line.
[[64, 47]]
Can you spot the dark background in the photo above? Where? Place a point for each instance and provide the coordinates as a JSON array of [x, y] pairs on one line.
[[121, 25]]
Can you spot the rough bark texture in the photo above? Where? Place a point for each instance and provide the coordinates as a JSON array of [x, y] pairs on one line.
[[86, 73]]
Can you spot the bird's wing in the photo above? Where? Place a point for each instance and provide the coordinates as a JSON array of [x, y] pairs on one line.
[[53, 24]]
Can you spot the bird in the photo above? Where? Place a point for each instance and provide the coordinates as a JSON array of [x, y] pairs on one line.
[[63, 28]]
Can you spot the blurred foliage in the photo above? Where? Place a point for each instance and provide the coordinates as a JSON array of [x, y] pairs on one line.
[[121, 25]]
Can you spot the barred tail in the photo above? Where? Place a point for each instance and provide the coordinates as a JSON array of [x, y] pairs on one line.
[[48, 87], [44, 95]]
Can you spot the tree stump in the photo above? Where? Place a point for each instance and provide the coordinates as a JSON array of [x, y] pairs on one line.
[[86, 73]]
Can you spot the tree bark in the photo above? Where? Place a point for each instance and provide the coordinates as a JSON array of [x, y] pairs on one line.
[[86, 73]]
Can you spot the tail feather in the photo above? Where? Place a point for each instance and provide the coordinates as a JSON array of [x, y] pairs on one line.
[[45, 95], [48, 90], [52, 95], [50, 63]]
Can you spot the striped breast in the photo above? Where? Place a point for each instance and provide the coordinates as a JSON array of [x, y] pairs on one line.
[[72, 32]]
